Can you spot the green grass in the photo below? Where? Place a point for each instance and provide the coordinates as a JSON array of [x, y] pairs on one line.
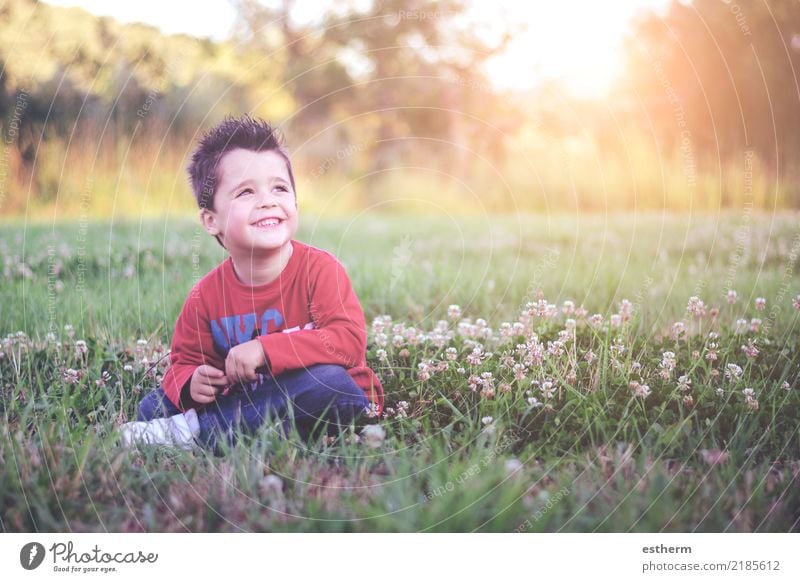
[[593, 457]]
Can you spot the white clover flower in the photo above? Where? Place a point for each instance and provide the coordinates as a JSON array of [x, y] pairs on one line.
[[486, 420], [732, 296], [750, 350], [533, 401], [625, 309], [696, 306], [733, 372], [373, 435], [761, 303]]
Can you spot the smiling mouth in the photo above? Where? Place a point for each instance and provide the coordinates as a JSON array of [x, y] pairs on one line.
[[268, 223]]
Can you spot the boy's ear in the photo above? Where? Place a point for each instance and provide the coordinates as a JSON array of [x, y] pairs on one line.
[[209, 220]]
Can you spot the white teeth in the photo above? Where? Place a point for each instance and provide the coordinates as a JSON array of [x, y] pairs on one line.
[[268, 222]]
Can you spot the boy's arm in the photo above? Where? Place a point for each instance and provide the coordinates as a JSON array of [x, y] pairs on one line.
[[339, 336], [192, 346]]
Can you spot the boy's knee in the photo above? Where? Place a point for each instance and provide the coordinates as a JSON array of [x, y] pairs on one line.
[[336, 379]]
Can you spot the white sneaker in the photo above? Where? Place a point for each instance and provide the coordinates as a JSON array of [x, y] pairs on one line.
[[179, 430]]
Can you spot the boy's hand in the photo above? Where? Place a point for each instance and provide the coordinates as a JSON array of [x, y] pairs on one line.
[[207, 383], [242, 361]]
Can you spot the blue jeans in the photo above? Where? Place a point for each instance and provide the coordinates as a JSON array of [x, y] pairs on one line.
[[316, 398]]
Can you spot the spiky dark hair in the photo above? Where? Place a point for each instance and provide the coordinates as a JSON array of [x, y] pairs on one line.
[[232, 133]]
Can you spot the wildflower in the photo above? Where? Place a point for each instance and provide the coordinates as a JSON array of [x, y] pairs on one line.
[[616, 320], [555, 348], [711, 352], [596, 320], [796, 302], [696, 307], [688, 400], [128, 368], [476, 356], [571, 377], [570, 324], [70, 331], [81, 347], [732, 296], [750, 399], [424, 372], [755, 325], [372, 410], [761, 303], [590, 357], [486, 420], [695, 354], [750, 350], [640, 390], [568, 308], [741, 326], [504, 387], [678, 329], [720, 392], [684, 383], [404, 353], [533, 401], [398, 341], [71, 376], [402, 409], [668, 360], [625, 310], [381, 340], [461, 370], [382, 355], [373, 435], [519, 372], [785, 386], [733, 372], [581, 312], [548, 390], [103, 380]]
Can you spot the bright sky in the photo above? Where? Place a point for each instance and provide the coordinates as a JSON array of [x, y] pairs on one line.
[[576, 41]]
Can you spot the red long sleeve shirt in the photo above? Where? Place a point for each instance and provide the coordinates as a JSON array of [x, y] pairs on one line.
[[308, 315]]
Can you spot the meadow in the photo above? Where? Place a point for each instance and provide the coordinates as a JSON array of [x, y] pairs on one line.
[[621, 372]]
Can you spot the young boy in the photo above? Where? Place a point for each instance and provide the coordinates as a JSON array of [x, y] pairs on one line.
[[273, 332]]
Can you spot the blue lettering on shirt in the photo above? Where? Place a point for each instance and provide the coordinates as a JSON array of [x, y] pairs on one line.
[[236, 329]]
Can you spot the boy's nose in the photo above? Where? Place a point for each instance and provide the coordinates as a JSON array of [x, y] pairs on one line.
[[266, 199]]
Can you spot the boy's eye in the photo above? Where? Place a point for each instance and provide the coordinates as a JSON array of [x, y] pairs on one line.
[[246, 191], [282, 188]]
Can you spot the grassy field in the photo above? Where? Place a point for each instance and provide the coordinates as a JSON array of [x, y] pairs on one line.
[[559, 396]]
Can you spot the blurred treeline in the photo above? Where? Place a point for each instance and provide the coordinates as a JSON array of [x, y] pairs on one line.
[[385, 105]]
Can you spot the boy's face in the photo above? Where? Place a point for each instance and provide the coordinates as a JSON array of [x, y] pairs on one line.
[[252, 188]]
